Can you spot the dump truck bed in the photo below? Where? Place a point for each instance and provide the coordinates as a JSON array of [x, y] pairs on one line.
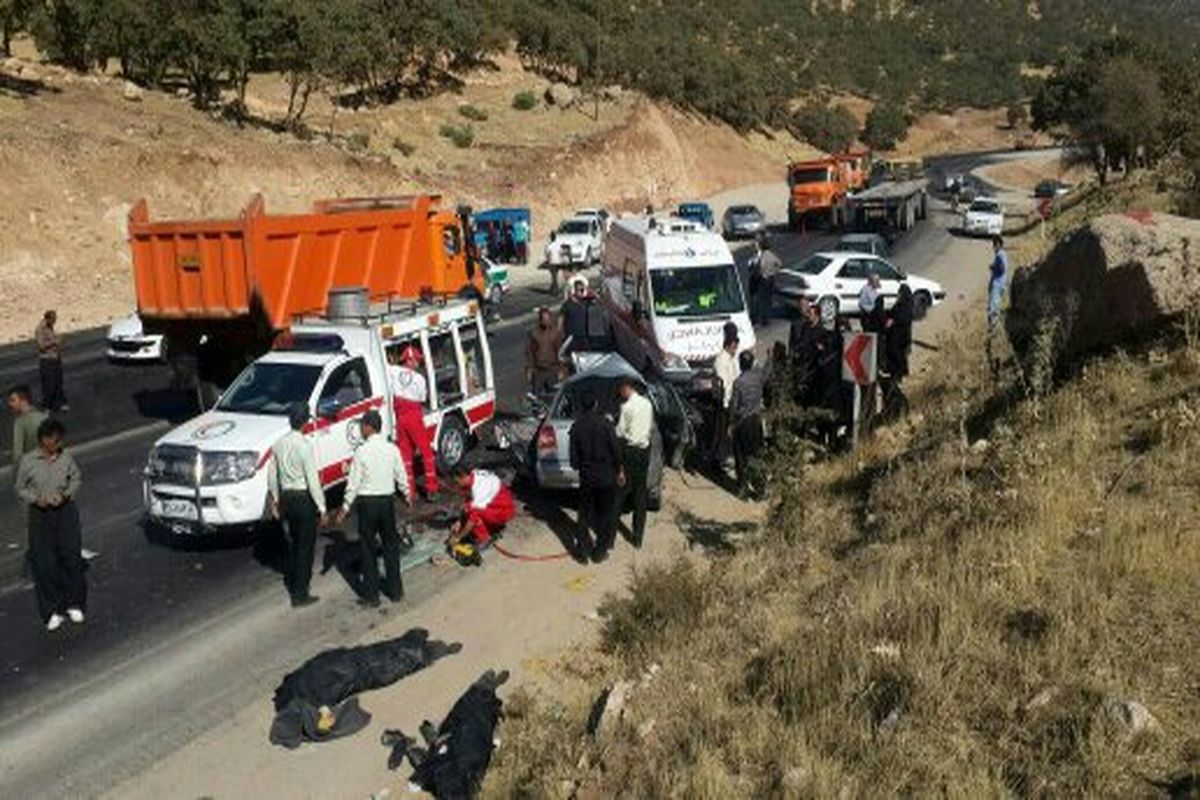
[[278, 267]]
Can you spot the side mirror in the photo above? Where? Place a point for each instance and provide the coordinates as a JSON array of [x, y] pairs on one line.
[[327, 408]]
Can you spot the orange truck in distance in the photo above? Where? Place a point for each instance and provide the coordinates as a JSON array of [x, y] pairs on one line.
[[220, 290], [817, 189]]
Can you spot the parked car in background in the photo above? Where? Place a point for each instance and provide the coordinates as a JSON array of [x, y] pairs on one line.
[[833, 281], [542, 442], [599, 213], [128, 341], [1051, 189], [875, 244], [697, 212], [740, 222], [578, 241], [984, 217]]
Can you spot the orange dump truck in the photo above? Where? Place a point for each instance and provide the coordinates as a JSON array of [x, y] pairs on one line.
[[857, 164], [220, 290], [817, 190]]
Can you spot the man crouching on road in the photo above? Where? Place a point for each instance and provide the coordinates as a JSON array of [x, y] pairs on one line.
[[376, 472], [48, 480], [489, 506]]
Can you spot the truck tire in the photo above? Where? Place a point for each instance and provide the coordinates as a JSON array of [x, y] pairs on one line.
[[452, 442]]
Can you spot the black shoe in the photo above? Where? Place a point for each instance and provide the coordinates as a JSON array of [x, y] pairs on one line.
[[600, 557], [307, 600], [369, 602], [395, 598]]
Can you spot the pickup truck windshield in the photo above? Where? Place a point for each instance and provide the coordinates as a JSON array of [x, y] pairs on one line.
[[270, 388], [696, 291], [816, 175], [575, 226]]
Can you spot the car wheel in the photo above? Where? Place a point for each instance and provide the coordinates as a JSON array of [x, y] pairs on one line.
[[452, 442], [921, 304], [829, 309]]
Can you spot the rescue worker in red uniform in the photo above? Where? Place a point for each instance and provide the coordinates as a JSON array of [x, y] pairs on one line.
[[489, 505], [409, 393]]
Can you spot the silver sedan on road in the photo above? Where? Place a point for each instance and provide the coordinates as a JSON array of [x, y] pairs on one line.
[[743, 221]]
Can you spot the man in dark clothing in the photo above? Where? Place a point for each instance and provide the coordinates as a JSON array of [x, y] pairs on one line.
[[573, 318], [763, 274], [543, 368], [594, 456], [897, 344], [47, 482], [804, 347], [746, 407]]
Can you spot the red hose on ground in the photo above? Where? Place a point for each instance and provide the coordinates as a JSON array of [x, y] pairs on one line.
[[522, 557]]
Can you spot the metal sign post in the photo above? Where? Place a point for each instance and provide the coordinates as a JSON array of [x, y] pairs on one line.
[[860, 367]]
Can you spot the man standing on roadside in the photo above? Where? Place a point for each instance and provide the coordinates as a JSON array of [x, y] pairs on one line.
[[594, 456], [997, 282], [26, 420], [634, 427], [726, 367], [768, 267], [376, 472], [49, 347], [868, 296], [747, 408], [298, 500], [47, 482], [543, 368]]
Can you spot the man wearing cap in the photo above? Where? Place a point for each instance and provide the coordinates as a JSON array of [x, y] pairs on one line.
[[409, 393], [298, 500], [376, 472]]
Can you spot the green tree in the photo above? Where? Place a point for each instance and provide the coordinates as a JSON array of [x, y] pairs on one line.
[[886, 126], [14, 16], [1016, 114], [828, 128]]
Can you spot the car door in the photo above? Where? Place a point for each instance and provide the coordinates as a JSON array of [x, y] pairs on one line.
[[849, 283], [344, 396], [672, 420]]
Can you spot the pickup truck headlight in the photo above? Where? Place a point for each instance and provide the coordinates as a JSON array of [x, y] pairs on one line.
[[228, 467]]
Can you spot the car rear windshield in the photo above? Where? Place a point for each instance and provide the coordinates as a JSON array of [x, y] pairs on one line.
[[985, 207], [743, 210], [696, 291], [575, 226], [815, 175], [813, 265], [270, 388], [605, 390]]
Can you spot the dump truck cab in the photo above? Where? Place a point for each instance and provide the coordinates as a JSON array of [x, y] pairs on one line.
[[816, 188]]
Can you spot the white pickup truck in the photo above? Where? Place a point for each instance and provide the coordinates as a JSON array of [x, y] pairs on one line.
[[209, 473]]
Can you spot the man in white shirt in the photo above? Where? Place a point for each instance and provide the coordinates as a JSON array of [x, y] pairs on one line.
[[298, 499], [488, 505], [409, 393], [634, 427], [726, 367], [376, 472], [869, 293]]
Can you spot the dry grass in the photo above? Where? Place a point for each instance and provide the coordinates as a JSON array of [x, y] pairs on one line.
[[933, 616]]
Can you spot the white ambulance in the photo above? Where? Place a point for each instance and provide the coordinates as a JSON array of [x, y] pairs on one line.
[[670, 286], [209, 473]]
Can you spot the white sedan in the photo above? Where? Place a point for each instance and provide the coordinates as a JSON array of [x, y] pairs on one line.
[[984, 217], [127, 341], [833, 281]]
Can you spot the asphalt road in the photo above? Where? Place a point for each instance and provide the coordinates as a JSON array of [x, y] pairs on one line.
[[174, 631]]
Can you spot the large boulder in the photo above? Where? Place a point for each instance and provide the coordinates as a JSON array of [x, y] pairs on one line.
[[1119, 276]]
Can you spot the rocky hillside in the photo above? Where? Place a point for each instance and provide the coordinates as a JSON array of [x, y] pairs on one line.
[[76, 151]]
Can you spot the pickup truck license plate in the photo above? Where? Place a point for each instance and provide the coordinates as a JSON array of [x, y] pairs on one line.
[[179, 509]]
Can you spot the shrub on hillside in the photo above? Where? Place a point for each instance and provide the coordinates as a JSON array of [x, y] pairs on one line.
[[886, 126], [524, 101], [828, 128], [405, 149], [461, 135], [358, 142], [473, 113]]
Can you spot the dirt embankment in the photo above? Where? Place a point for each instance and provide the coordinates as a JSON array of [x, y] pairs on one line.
[[75, 153]]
